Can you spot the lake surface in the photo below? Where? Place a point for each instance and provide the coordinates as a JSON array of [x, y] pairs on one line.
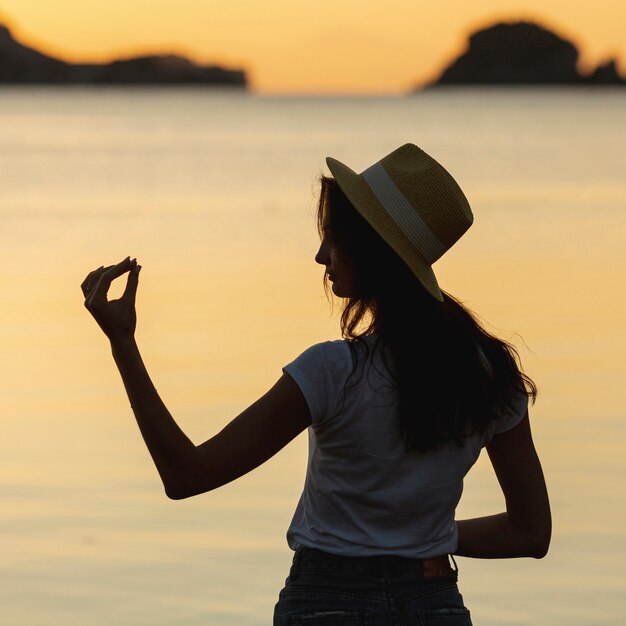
[[215, 193]]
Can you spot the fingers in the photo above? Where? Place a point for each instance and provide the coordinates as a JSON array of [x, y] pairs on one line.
[[98, 282], [130, 292], [89, 279], [92, 278], [102, 286], [115, 271]]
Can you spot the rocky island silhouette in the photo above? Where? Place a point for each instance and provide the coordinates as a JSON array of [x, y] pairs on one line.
[[522, 53], [511, 53], [21, 65]]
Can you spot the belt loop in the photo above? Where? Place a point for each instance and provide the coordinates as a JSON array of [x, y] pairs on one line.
[[456, 567]]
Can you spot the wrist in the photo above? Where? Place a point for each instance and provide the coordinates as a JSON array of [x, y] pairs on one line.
[[124, 343]]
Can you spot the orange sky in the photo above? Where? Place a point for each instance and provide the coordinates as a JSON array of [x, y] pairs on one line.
[[288, 46]]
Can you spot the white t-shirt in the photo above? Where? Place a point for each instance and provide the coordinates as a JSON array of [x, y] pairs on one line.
[[363, 494]]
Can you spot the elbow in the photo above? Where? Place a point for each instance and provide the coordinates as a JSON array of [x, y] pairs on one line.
[[179, 490], [539, 551], [181, 481], [182, 491], [540, 542], [187, 479], [540, 547], [533, 540], [174, 493], [534, 533]]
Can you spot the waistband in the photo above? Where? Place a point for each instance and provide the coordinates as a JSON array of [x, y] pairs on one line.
[[384, 564]]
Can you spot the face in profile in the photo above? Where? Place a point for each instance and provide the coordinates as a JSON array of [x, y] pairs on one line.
[[338, 267]]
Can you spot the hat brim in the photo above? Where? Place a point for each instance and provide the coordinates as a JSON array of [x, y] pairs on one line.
[[367, 204]]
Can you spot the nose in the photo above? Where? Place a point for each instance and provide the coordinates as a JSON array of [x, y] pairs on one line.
[[323, 257]]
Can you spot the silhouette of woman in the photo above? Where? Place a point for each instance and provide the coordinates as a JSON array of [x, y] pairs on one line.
[[397, 412]]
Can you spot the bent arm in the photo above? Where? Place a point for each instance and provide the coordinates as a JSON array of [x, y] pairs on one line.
[[526, 526], [249, 440]]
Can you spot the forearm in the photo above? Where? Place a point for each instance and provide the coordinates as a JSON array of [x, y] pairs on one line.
[[497, 537], [172, 451]]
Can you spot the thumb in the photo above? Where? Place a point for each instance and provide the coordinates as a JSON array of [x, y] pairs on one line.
[[131, 284]]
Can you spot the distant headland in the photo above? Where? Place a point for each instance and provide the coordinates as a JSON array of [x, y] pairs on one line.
[[522, 53], [20, 65]]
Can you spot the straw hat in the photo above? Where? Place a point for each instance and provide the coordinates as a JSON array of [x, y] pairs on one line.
[[413, 203]]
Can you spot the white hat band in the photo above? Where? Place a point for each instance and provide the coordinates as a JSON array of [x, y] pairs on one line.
[[403, 214]]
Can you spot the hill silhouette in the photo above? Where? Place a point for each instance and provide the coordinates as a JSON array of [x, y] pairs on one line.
[[20, 64], [522, 53]]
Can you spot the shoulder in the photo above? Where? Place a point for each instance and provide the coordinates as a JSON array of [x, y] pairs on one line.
[[327, 359], [340, 353], [321, 372], [334, 351]]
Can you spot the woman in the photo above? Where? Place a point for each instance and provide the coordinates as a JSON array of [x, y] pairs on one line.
[[397, 412]]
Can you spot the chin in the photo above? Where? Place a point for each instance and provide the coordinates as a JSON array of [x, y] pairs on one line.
[[339, 292]]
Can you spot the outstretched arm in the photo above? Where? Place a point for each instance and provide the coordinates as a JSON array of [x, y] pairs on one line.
[[186, 469], [525, 528]]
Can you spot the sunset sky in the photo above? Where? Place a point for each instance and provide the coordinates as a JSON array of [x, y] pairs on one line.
[[289, 46]]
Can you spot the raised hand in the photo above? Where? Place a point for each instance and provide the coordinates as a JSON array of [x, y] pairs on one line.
[[117, 318]]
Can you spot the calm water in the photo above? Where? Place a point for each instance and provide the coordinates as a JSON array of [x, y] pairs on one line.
[[214, 193]]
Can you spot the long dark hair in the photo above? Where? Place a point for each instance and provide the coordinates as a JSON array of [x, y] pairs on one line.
[[446, 389]]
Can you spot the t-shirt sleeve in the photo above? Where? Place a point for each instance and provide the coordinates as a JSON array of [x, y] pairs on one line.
[[320, 373], [514, 415]]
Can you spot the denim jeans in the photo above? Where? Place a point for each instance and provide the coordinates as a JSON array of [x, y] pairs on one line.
[[328, 590]]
